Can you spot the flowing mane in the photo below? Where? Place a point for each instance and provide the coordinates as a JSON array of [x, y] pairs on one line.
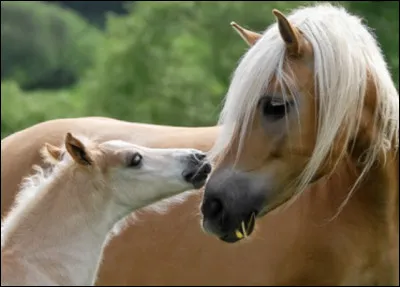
[[346, 58]]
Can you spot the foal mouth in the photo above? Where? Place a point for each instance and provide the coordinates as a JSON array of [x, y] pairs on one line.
[[198, 175], [245, 229]]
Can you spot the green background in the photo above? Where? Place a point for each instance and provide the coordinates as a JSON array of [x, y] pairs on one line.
[[155, 62]]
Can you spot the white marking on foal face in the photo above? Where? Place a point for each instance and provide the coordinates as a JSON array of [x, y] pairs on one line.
[[140, 176]]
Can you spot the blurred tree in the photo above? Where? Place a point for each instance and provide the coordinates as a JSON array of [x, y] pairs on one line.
[[43, 45], [383, 18], [95, 11], [169, 61], [21, 109], [164, 62]]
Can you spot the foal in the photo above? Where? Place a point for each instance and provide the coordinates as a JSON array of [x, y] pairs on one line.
[[62, 219]]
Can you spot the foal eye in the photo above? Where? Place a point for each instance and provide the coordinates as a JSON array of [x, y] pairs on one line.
[[135, 160], [274, 109]]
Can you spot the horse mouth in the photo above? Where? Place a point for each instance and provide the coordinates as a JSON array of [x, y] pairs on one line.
[[245, 229]]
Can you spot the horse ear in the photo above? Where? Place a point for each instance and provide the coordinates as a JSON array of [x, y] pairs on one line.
[[248, 36], [289, 34], [77, 150]]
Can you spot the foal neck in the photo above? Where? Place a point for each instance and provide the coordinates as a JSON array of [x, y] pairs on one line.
[[56, 232]]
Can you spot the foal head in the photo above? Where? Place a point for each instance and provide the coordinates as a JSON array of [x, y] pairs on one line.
[[132, 176], [312, 90]]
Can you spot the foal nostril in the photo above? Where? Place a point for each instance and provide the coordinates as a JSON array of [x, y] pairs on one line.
[[199, 156], [212, 208], [197, 169], [206, 168], [188, 175]]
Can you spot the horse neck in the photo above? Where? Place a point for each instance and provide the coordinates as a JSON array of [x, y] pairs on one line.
[[367, 228], [376, 196], [60, 231]]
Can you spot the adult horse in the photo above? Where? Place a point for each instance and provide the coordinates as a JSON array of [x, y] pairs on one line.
[[312, 105], [296, 245]]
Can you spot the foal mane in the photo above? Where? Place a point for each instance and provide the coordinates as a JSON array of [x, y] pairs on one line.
[[346, 58], [28, 189], [52, 164], [40, 177]]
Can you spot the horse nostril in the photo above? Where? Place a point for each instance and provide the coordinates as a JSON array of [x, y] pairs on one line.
[[212, 208]]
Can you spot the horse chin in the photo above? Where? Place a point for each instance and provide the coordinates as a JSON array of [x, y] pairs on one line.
[[243, 231], [263, 213], [233, 237], [229, 238]]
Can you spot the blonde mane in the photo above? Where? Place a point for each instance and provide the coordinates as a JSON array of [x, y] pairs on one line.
[[38, 181], [41, 175], [346, 57], [29, 188]]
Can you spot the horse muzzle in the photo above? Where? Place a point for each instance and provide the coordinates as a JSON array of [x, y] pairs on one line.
[[232, 201]]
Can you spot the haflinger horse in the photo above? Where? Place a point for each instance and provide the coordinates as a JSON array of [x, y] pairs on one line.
[[312, 111], [309, 130], [56, 232]]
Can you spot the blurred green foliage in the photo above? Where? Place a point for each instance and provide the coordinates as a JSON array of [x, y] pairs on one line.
[[21, 109], [165, 62], [45, 46]]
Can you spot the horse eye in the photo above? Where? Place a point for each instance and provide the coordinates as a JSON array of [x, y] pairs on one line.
[[273, 109], [135, 160]]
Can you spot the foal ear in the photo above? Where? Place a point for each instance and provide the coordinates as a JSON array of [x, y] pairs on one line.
[[289, 34], [51, 154], [249, 36], [53, 151], [77, 150]]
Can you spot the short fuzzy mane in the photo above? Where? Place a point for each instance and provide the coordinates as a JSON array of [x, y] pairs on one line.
[[28, 189], [35, 182]]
